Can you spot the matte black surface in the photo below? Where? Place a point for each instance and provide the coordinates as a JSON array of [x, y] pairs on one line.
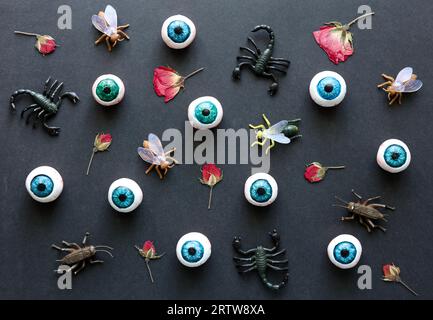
[[349, 135]]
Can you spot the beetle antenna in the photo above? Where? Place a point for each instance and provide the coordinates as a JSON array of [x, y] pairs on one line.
[[339, 199], [104, 247], [105, 252]]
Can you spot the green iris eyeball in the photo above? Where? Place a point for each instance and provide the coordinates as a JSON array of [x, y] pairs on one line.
[[108, 90]]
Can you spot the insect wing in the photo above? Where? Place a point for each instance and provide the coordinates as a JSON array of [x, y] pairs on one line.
[[278, 137], [111, 17], [404, 75], [148, 156], [412, 85], [100, 24], [156, 146], [278, 127]]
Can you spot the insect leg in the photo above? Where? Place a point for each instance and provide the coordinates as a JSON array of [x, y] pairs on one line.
[[85, 238], [393, 99], [400, 95], [125, 36], [371, 199], [277, 268], [28, 108], [268, 123], [100, 39], [375, 225], [159, 172], [61, 249], [53, 131], [361, 221], [297, 136], [348, 218], [356, 195], [380, 205], [271, 145], [107, 41], [81, 267], [32, 114], [389, 78], [96, 261], [123, 27], [260, 126], [71, 244], [250, 51], [387, 83], [150, 168]]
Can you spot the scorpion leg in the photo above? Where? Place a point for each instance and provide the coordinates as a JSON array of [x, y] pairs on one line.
[[279, 59], [237, 71], [51, 87], [250, 51], [46, 85], [254, 45], [276, 69], [278, 261], [375, 225], [52, 131], [380, 205], [356, 194], [247, 58], [275, 237], [247, 270], [361, 221], [278, 63], [273, 88], [246, 265], [277, 268], [32, 114], [59, 87], [237, 246], [275, 254], [243, 259], [35, 105]]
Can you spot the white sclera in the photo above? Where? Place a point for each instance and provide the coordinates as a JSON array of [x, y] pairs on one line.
[[316, 96], [381, 159], [202, 126], [55, 177], [254, 178], [131, 185], [120, 95], [194, 236], [344, 238], [171, 43]]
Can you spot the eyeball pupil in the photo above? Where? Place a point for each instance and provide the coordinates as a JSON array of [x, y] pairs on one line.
[[41, 187], [344, 253], [329, 88], [205, 112], [192, 251], [261, 191], [122, 197], [178, 30], [107, 90]]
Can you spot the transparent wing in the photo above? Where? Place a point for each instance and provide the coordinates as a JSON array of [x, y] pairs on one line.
[[412, 85], [111, 16], [155, 144], [148, 156], [278, 127], [404, 75], [100, 24], [278, 137]]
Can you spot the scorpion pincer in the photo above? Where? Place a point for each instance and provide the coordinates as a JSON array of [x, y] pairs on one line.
[[261, 259]]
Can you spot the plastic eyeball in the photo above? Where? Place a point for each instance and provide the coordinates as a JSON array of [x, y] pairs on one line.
[[327, 89], [193, 249], [44, 184], [125, 195], [261, 189], [205, 113], [178, 32], [393, 156], [108, 90], [345, 251]]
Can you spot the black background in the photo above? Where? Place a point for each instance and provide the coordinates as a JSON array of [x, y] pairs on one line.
[[349, 134]]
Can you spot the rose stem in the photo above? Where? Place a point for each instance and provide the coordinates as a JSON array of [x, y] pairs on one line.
[[408, 288], [210, 197], [90, 162], [27, 33], [338, 167], [193, 73], [359, 18], [148, 269]]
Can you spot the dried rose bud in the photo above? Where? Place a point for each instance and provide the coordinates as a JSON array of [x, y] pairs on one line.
[[211, 175], [45, 44], [102, 142], [315, 172]]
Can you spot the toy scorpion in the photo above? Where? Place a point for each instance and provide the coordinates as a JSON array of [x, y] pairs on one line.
[[77, 256], [262, 63], [44, 106], [364, 211], [260, 259]]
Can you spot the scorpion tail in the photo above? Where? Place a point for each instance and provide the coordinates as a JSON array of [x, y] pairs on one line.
[[275, 286], [269, 30], [17, 93]]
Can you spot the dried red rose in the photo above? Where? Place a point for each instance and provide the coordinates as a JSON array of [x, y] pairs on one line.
[[211, 175], [391, 273], [336, 39], [102, 143], [45, 44], [167, 82], [315, 172], [148, 252]]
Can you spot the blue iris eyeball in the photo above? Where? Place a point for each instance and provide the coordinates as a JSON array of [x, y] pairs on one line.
[[193, 249], [44, 184], [205, 113], [261, 189], [178, 32], [327, 88], [125, 195], [344, 251], [393, 156]]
